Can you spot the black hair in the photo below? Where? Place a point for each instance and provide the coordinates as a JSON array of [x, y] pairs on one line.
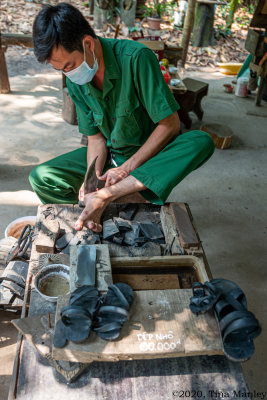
[[63, 25]]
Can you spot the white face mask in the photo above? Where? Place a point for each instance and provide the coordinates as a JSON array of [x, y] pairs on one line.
[[83, 74]]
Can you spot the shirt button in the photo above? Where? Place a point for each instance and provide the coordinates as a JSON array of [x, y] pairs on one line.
[[113, 119], [113, 140], [106, 98]]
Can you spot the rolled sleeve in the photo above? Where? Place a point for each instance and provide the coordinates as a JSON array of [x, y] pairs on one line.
[[151, 87], [86, 122]]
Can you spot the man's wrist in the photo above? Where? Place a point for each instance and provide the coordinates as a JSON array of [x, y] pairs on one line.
[[129, 165]]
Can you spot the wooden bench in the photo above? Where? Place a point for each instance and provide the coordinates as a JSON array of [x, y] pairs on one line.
[[191, 100]]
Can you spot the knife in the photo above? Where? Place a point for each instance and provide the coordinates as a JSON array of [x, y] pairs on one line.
[[90, 181]]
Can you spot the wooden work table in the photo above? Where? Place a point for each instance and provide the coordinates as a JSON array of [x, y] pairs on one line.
[[158, 379]]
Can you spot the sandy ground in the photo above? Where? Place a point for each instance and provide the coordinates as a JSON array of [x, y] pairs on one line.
[[227, 196]]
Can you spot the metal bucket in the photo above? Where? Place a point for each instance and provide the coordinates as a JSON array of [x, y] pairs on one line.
[[52, 281]]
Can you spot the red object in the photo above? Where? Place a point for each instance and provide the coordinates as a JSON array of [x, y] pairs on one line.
[[166, 74], [228, 88]]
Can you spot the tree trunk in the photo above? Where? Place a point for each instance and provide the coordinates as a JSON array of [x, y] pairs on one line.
[[188, 26], [127, 12], [203, 33], [230, 16], [92, 6], [4, 81], [102, 11]]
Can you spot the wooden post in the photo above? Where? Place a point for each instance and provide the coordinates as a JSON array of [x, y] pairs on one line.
[[203, 25], [101, 13], [92, 6], [230, 16], [188, 26], [17, 39], [4, 81], [127, 12]]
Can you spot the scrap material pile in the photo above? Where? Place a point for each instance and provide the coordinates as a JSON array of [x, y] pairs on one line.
[[123, 233]]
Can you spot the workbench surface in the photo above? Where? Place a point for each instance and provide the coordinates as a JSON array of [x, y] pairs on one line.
[[201, 377]]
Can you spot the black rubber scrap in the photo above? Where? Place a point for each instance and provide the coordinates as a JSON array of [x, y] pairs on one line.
[[151, 231], [64, 240], [90, 238], [73, 242], [122, 224], [18, 267], [131, 237], [18, 290], [110, 229], [118, 239], [14, 277], [128, 212]]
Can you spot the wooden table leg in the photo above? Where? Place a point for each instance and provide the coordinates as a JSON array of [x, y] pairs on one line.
[[198, 110], [184, 117]]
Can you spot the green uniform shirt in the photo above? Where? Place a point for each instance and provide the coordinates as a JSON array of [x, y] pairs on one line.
[[134, 99]]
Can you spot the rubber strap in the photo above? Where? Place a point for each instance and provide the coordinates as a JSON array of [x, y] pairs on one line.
[[113, 309], [120, 295], [74, 311], [5, 278], [108, 327], [88, 291], [244, 323], [238, 321], [231, 317]]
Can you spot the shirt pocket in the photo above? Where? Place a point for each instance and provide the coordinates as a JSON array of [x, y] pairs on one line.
[[127, 126], [125, 108]]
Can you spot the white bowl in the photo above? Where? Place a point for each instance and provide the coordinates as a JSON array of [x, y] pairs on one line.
[[15, 227]]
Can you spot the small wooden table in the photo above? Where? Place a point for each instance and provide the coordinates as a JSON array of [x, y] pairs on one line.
[[159, 379], [191, 100]]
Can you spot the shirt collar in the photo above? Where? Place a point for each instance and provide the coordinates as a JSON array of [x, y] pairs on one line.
[[112, 70]]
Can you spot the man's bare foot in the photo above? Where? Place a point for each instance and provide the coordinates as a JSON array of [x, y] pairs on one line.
[[95, 204]]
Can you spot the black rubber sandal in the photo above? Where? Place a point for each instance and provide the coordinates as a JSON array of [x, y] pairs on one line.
[[112, 315], [238, 326], [204, 297], [76, 318]]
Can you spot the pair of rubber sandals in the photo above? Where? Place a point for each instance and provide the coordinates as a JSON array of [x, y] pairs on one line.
[[238, 326], [87, 311]]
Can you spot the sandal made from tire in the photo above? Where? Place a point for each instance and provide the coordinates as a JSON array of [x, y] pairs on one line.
[[76, 318], [204, 297], [114, 311], [238, 326]]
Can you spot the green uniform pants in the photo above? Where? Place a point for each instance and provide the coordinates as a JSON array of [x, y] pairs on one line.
[[59, 180]]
